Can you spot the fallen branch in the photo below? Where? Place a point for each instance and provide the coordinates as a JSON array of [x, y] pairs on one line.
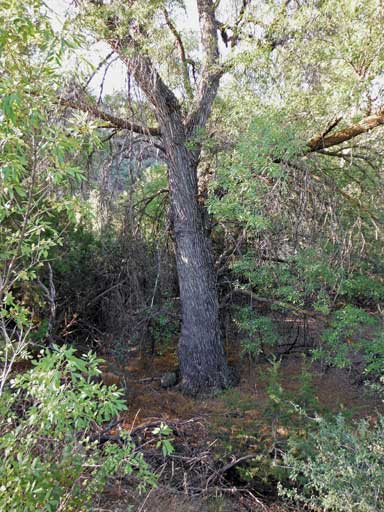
[[228, 466]]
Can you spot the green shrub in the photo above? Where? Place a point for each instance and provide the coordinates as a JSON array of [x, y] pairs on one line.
[[373, 351], [364, 288], [343, 471], [49, 461], [350, 330], [260, 333]]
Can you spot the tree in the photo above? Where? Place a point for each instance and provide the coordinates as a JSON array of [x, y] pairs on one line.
[[132, 30], [304, 212], [202, 360]]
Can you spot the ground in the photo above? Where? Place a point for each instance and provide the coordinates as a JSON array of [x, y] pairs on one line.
[[211, 434]]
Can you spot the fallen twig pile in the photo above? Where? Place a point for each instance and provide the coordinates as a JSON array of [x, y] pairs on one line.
[[192, 470]]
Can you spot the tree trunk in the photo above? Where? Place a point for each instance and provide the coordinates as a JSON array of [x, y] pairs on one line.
[[202, 361]]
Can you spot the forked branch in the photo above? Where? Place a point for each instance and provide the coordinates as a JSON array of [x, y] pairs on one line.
[[212, 70], [183, 55]]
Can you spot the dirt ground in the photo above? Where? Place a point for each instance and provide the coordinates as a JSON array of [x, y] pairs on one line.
[[233, 415]]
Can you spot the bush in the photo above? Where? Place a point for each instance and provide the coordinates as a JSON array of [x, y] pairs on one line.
[[350, 330], [259, 331], [343, 471], [49, 461]]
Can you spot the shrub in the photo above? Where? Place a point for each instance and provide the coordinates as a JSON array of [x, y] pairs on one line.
[[259, 332], [49, 461], [343, 471], [350, 330]]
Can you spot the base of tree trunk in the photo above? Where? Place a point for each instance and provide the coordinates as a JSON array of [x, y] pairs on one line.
[[203, 376], [204, 388]]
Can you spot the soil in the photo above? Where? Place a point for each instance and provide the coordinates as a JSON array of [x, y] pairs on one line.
[[226, 427]]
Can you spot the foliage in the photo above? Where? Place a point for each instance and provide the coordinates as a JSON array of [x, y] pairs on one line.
[[259, 330], [373, 351], [49, 460], [306, 228], [39, 145], [163, 431], [344, 472], [290, 409], [285, 417], [246, 171], [350, 330], [298, 231]]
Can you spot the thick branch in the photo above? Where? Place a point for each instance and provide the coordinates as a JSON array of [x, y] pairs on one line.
[[236, 28], [365, 125], [183, 56], [115, 122], [212, 70], [208, 29], [127, 45], [317, 139], [163, 100]]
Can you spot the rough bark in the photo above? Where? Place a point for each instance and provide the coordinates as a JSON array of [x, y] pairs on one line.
[[202, 360], [201, 356]]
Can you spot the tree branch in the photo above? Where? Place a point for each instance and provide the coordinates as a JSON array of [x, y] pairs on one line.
[[115, 122], [183, 56], [365, 125], [147, 77], [236, 28], [126, 44], [100, 65], [272, 40], [212, 70]]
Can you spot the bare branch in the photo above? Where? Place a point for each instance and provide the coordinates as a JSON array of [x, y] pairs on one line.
[[183, 56], [115, 122], [100, 65], [148, 78], [365, 125]]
